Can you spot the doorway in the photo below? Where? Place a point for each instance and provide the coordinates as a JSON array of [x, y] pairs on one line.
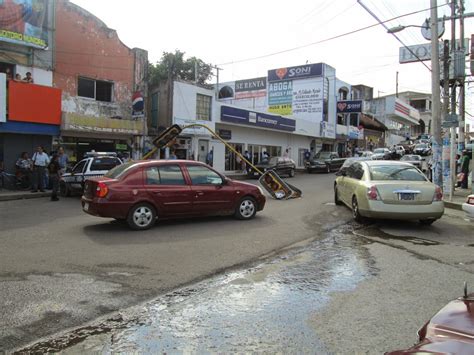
[[203, 150]]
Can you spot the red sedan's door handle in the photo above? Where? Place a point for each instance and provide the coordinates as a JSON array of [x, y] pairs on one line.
[[199, 193], [157, 192]]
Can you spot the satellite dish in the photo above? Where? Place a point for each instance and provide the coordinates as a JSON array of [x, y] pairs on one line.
[[426, 29]]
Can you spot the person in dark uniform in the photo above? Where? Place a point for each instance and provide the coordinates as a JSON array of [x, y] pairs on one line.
[[54, 170]]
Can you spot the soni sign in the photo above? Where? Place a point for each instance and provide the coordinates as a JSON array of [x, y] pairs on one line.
[[299, 72]]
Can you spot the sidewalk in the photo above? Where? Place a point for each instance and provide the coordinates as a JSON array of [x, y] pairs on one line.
[[9, 195], [459, 198]]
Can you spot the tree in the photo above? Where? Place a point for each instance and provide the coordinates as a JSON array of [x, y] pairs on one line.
[[174, 66]]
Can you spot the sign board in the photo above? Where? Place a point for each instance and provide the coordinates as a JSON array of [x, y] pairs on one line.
[[250, 88], [24, 22], [299, 72], [138, 105], [308, 100], [353, 106], [257, 119], [280, 97], [225, 134], [422, 52]]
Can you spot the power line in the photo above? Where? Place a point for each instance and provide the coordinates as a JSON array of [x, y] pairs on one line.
[[324, 40]]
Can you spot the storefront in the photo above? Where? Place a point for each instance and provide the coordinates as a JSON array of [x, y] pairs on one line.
[[81, 134]]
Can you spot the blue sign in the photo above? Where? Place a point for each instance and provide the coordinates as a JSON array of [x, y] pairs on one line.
[[299, 72], [354, 106], [256, 119]]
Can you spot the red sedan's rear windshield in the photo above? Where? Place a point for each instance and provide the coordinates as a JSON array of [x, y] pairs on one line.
[[395, 172], [118, 170]]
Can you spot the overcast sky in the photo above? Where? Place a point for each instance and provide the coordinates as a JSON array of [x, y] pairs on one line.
[[224, 33]]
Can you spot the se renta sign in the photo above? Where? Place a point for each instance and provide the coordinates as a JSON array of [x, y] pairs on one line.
[[256, 119], [299, 72]]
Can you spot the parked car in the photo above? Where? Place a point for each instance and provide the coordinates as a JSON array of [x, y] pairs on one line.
[[408, 146], [413, 159], [140, 192], [282, 165], [348, 162], [450, 331], [468, 207], [325, 162], [422, 149], [399, 150], [365, 154], [381, 154], [95, 164], [388, 189]]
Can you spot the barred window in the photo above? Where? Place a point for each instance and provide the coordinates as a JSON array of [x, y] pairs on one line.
[[203, 107]]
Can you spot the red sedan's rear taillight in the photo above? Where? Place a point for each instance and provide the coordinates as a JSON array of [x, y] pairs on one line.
[[470, 201], [102, 190], [438, 196], [372, 193]]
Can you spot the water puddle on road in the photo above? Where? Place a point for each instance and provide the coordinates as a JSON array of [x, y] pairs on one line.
[[265, 308]]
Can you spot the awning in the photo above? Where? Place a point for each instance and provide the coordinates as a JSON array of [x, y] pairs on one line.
[[372, 123]]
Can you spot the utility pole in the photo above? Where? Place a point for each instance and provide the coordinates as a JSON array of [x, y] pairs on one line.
[[396, 85], [217, 79], [435, 92], [462, 93], [451, 175]]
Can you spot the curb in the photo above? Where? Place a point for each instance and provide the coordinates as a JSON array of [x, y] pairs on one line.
[[453, 205], [24, 196]]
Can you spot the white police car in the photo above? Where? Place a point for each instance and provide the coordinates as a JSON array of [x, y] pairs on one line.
[[94, 164]]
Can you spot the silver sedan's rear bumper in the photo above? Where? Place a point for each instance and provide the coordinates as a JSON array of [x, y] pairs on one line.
[[378, 209]]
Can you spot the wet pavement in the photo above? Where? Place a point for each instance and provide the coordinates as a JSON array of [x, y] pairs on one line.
[[265, 308]]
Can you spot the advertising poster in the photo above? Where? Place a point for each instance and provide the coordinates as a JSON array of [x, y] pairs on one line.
[[280, 97], [308, 100], [24, 22]]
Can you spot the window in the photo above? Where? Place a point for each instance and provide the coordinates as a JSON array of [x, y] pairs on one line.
[[105, 163], [95, 89], [118, 170], [200, 175], [164, 175], [203, 107], [154, 110], [355, 171], [79, 168], [395, 172]]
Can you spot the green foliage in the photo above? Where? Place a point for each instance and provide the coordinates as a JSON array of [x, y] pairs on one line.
[[174, 66]]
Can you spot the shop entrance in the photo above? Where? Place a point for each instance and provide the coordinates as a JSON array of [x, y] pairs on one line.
[[256, 152], [232, 161], [203, 150]]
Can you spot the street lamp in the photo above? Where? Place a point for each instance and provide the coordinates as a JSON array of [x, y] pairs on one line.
[[401, 28]]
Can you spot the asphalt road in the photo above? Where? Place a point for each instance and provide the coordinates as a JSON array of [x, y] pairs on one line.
[[61, 268]]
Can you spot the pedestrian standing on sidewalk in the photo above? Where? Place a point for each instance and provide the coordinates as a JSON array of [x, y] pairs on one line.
[[40, 162], [465, 160], [54, 170], [63, 160]]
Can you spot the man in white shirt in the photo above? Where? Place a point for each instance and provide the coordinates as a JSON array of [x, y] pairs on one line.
[[40, 162]]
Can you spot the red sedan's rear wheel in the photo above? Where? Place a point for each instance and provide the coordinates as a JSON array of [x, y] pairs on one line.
[[142, 216]]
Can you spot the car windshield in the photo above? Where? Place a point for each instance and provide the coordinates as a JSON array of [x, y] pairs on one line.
[[395, 172], [410, 158], [379, 151], [323, 155], [118, 170], [273, 161]]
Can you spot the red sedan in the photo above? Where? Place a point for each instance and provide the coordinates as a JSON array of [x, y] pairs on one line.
[[139, 192]]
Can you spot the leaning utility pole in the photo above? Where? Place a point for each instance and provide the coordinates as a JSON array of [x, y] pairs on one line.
[[435, 92]]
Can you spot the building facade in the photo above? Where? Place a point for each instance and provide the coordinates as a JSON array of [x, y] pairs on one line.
[[30, 112], [98, 76]]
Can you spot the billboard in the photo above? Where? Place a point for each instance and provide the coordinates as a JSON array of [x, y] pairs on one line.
[[280, 97], [245, 89], [299, 72], [24, 22], [349, 106], [308, 100]]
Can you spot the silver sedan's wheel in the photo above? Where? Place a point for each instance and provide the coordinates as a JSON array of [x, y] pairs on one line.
[[246, 208], [141, 216]]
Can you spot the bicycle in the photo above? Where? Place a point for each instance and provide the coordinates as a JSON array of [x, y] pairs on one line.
[[14, 182]]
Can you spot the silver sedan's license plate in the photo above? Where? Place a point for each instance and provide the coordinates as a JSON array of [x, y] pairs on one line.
[[86, 206], [406, 197]]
